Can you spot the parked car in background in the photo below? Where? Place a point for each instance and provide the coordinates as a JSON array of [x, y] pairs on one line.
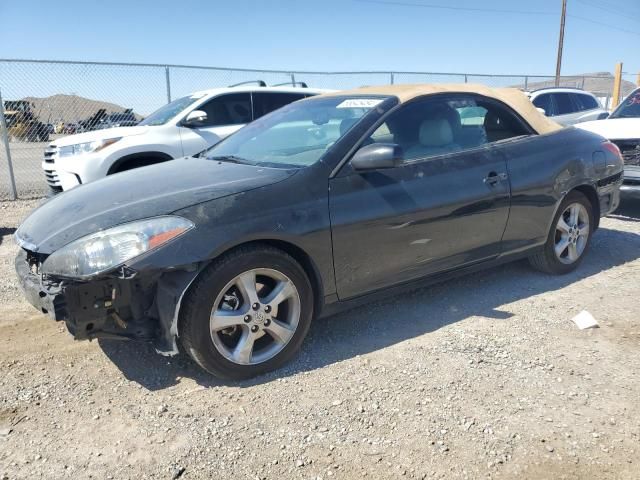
[[320, 202], [70, 128], [622, 127], [119, 119], [568, 106], [101, 120], [181, 128]]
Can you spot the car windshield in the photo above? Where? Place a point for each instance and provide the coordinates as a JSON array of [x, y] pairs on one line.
[[296, 135], [170, 110], [629, 108]]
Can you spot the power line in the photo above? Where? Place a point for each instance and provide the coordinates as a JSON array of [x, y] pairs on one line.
[[602, 24], [493, 10], [448, 7], [628, 16]]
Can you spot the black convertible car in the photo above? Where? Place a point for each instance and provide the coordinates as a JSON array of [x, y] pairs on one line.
[[232, 254]]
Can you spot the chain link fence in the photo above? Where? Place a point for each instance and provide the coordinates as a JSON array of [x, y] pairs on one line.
[[45, 100]]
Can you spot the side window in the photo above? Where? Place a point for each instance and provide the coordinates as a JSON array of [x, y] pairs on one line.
[[267, 102], [229, 109], [587, 101], [440, 126], [545, 102], [563, 103], [577, 104]]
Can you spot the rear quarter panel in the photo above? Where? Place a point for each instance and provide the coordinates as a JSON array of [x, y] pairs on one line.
[[542, 170]]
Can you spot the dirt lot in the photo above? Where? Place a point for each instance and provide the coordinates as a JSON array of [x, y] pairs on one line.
[[481, 377]]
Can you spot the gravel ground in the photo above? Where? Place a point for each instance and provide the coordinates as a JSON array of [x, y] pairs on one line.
[[480, 377]]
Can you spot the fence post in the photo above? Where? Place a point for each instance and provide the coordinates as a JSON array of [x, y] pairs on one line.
[[391, 79], [5, 140], [582, 86], [617, 80], [168, 80], [466, 79], [293, 79], [526, 83]]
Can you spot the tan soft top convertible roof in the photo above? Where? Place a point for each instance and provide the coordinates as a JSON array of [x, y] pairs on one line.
[[511, 96]]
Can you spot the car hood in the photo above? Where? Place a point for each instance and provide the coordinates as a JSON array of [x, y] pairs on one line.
[[104, 134], [614, 128], [136, 194]]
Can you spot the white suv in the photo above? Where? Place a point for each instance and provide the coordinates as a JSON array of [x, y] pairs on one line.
[[181, 128], [568, 106]]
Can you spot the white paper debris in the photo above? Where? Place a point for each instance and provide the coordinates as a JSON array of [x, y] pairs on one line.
[[585, 320]]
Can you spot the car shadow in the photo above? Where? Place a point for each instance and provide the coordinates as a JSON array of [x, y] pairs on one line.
[[6, 231], [384, 322]]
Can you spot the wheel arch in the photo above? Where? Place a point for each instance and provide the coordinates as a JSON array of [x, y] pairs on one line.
[[298, 254], [116, 166], [588, 191], [592, 195]]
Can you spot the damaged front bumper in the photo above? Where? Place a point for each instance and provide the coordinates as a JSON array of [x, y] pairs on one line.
[[139, 307]]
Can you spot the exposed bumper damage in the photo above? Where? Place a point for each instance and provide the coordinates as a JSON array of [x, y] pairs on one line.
[[609, 193], [137, 306]]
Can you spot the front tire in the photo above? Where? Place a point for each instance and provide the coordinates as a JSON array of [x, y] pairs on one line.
[[247, 313], [569, 237]]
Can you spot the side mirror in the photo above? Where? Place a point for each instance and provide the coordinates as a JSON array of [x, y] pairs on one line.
[[603, 116], [377, 156], [542, 111], [195, 118]]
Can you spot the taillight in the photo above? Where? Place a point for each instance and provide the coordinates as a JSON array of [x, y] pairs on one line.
[[613, 148]]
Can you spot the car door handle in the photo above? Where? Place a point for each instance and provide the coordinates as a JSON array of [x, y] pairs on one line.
[[494, 178]]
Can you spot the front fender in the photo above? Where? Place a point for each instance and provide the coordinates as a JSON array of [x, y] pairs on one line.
[[170, 291]]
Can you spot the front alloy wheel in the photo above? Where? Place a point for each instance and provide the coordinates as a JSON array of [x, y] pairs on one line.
[[247, 313], [255, 316]]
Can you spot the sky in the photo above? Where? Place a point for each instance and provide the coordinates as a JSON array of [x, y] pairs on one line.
[[329, 35]]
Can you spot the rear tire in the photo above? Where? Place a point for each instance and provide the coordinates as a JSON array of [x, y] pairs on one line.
[[569, 237], [247, 313]]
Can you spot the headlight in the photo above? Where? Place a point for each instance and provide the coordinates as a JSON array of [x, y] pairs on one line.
[[86, 147], [113, 247]]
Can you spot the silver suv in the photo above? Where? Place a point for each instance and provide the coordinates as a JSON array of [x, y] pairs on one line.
[[568, 106]]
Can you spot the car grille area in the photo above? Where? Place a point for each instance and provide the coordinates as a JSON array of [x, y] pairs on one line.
[[50, 153], [630, 151], [50, 174]]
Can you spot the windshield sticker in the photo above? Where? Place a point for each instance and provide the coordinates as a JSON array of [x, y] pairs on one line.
[[360, 103]]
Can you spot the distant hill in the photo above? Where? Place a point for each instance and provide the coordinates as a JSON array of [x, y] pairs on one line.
[[69, 108], [599, 83]]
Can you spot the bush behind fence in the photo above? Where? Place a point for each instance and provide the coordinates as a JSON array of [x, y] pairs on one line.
[[55, 98]]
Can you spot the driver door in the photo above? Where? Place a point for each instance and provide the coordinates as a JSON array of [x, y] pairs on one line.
[[444, 207]]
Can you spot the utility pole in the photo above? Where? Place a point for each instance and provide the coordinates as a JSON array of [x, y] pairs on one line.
[[561, 42]]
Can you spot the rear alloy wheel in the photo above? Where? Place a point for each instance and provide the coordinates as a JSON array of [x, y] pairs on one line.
[[248, 313], [569, 236], [572, 233]]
